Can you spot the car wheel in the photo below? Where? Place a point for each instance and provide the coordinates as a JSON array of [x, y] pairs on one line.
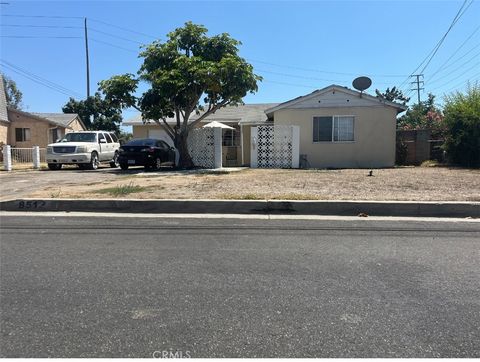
[[114, 163], [54, 166], [124, 166], [93, 165], [158, 164]]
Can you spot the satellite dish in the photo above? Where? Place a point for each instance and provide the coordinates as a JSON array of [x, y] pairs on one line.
[[361, 83]]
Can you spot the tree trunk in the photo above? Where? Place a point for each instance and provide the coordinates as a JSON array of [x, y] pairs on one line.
[[185, 160]]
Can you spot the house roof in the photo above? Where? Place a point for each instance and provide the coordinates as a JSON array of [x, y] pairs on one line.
[[61, 119], [3, 102], [241, 114], [56, 119], [399, 107]]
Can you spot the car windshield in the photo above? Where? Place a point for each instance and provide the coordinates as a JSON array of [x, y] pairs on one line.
[[146, 142], [79, 137]]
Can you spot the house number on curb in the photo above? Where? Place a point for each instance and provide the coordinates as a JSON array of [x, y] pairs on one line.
[[31, 204]]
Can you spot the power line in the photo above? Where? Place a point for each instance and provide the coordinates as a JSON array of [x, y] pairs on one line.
[[475, 57], [324, 71], [41, 26], [457, 60], [458, 76], [311, 78], [464, 83], [39, 80], [114, 36], [432, 53], [39, 37], [7, 63], [113, 45], [456, 51], [124, 29], [41, 16]]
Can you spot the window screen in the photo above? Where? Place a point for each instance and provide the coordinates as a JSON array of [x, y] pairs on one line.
[[343, 129]]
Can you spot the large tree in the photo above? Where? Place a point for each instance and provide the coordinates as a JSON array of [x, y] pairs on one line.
[[190, 73], [462, 126], [12, 93], [393, 95], [96, 112]]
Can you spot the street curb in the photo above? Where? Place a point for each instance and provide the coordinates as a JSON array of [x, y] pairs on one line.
[[286, 207]]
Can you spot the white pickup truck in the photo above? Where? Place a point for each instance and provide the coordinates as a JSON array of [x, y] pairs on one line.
[[85, 149]]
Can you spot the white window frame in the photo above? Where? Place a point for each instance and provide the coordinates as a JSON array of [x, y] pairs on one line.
[[333, 128]]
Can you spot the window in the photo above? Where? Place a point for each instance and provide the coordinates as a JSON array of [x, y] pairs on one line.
[[108, 138], [100, 137], [55, 134], [79, 137], [230, 137], [333, 129], [22, 134], [114, 137]]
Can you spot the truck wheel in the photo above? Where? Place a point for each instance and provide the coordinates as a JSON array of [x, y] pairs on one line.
[[93, 165], [54, 166], [124, 166]]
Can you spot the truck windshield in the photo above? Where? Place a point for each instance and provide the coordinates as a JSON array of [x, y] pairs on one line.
[[79, 137]]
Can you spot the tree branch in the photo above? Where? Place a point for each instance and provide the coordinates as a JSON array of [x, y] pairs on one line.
[[167, 128], [211, 110]]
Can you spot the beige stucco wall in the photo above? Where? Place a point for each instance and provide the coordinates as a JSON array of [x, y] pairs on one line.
[[246, 130], [374, 133], [38, 130], [3, 133], [75, 126]]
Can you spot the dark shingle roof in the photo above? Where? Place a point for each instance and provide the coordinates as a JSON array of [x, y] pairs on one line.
[[61, 119], [246, 113]]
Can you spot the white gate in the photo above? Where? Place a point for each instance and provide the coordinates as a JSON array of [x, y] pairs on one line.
[[275, 147], [205, 147]]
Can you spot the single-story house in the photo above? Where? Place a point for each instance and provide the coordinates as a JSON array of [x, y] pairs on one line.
[[39, 129], [24, 130], [338, 127]]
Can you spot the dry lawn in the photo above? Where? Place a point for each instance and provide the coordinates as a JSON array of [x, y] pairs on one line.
[[404, 183]]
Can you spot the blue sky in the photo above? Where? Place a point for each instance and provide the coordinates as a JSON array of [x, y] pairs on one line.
[[296, 46]]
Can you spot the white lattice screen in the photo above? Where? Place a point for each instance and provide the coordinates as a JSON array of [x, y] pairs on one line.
[[274, 146], [201, 146]]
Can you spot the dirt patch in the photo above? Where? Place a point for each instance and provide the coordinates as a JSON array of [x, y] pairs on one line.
[[403, 183]]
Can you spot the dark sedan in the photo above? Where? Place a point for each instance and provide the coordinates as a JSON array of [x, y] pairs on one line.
[[150, 153]]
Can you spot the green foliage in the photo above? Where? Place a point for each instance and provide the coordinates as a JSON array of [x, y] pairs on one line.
[[462, 124], [393, 95], [189, 73], [106, 115], [13, 94], [424, 115], [401, 152]]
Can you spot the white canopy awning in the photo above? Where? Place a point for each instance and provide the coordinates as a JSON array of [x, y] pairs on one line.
[[217, 124]]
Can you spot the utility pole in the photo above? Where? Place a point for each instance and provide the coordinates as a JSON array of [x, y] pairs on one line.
[[88, 61], [419, 83]]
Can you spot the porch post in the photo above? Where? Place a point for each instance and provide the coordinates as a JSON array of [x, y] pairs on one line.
[[254, 147], [7, 157], [295, 147], [36, 157], [217, 137]]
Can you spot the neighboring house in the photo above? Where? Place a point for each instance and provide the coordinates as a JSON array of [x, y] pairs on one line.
[[23, 129], [39, 129], [338, 127], [4, 122]]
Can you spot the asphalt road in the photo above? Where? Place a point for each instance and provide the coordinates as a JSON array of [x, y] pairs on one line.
[[104, 287]]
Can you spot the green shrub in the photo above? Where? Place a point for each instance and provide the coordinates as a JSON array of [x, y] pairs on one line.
[[462, 125]]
